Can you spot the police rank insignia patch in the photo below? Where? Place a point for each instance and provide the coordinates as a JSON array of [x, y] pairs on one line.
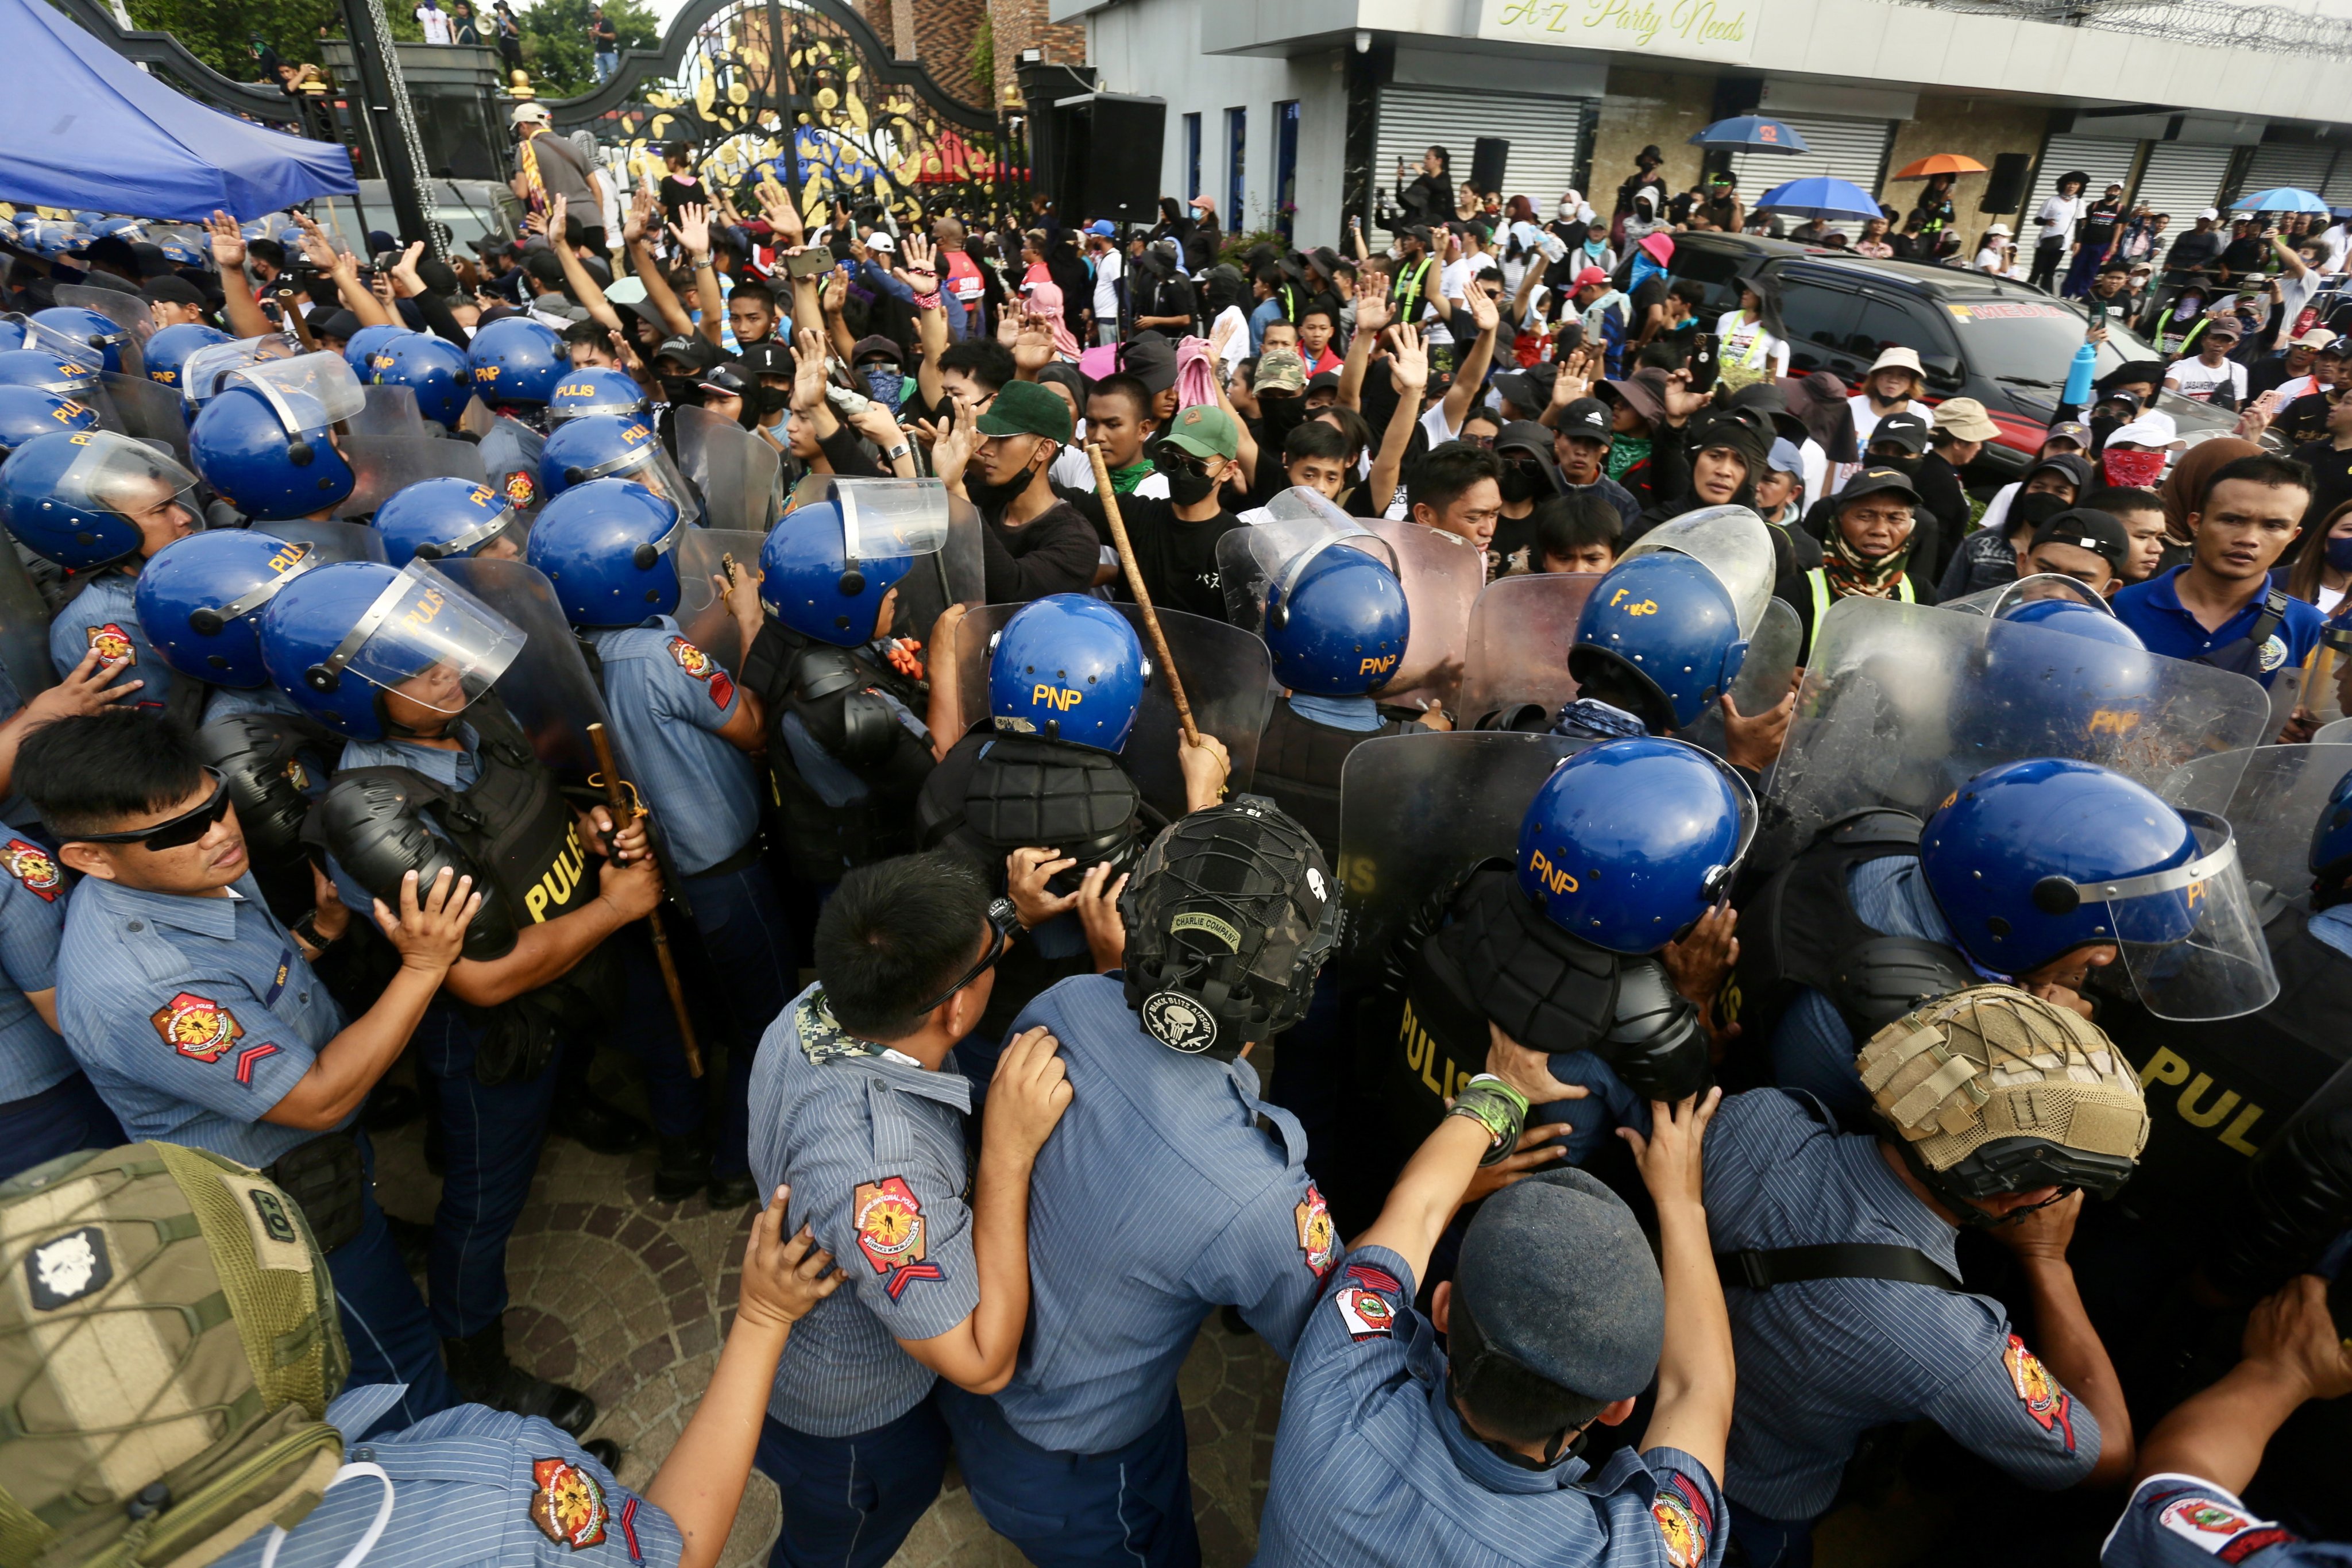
[[520, 488], [567, 1504], [889, 1220], [1684, 1520], [1368, 1316], [197, 1026], [2222, 1529], [702, 667], [2039, 1392], [1316, 1240], [31, 865], [112, 643]]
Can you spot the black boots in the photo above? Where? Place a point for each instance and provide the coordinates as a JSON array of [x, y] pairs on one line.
[[479, 1367]]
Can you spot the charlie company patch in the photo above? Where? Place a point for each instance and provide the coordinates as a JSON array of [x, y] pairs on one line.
[[197, 1026], [567, 1504]]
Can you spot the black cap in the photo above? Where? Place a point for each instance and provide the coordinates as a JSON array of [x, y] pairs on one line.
[[112, 249], [1904, 429], [767, 357], [2074, 465], [336, 324], [173, 289], [438, 276], [1323, 381], [1150, 360], [1524, 388], [876, 343], [1871, 481], [726, 379], [1767, 398], [697, 353], [1560, 1280], [2088, 528], [1589, 418], [1744, 431], [543, 265]]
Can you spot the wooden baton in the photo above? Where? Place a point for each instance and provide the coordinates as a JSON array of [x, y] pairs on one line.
[[1142, 594], [625, 811]]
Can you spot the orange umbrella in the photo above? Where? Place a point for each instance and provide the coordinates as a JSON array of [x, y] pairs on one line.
[[1938, 164]]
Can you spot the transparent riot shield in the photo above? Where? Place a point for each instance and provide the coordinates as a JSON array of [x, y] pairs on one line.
[[1250, 560], [1228, 681], [1998, 601], [735, 470], [1903, 704], [1765, 676], [24, 627], [2272, 797], [548, 687], [389, 411], [127, 311], [2338, 733], [1520, 631], [333, 542], [1731, 542], [916, 517], [703, 553], [1416, 811], [148, 411], [382, 466], [1442, 573], [509, 452]]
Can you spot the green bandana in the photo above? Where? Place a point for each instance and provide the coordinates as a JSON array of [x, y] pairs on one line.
[[1124, 481], [1624, 451]]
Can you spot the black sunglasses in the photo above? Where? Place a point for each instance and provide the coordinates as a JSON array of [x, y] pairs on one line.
[[1003, 924], [1170, 460], [184, 829]]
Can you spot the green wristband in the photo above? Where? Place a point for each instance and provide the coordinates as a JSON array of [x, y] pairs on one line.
[[1495, 1105]]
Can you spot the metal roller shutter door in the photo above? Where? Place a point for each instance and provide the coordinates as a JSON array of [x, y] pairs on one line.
[[2339, 189], [2106, 160], [2295, 164], [1545, 134], [1852, 149], [2181, 179]]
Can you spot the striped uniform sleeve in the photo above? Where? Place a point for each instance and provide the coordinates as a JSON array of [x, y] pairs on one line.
[[893, 1217], [689, 684], [32, 913], [200, 1036], [1272, 1259], [2183, 1521], [1687, 1508], [1989, 1391]]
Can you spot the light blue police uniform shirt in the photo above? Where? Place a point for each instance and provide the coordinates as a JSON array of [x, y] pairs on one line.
[[1812, 1049], [2334, 927], [192, 1017], [2181, 1521], [2154, 610], [1822, 1360], [105, 612], [32, 918], [1372, 1465], [669, 700], [873, 1145], [1157, 1197], [471, 1487]]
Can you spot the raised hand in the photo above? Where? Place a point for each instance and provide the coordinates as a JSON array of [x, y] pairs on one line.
[[808, 370], [640, 214], [1033, 344], [1373, 311], [692, 231], [404, 273], [227, 242], [431, 930], [1408, 361]]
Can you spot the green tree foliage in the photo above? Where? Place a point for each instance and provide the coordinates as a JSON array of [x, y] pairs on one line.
[[555, 41], [223, 35], [983, 58]]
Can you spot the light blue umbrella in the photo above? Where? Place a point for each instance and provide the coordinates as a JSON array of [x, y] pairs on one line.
[[1753, 133], [1820, 196], [2279, 199]]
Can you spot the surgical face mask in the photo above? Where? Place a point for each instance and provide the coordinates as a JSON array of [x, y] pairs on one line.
[[884, 385], [2339, 553]]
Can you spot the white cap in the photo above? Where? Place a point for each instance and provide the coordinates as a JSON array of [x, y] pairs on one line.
[[1997, 228], [532, 113], [2153, 429], [880, 240], [2211, 213]]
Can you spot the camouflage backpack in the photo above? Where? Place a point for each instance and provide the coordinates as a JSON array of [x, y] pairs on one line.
[[168, 1344]]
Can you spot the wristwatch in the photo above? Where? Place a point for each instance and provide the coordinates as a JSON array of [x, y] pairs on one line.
[[306, 930], [902, 449]]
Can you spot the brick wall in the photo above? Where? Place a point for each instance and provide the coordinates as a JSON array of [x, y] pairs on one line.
[[1023, 25], [943, 35]]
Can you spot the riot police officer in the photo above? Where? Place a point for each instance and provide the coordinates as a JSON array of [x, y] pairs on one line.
[[433, 368], [613, 446], [48, 1106], [847, 752], [1993, 1109], [613, 551], [516, 364], [28, 411], [1159, 1195], [435, 771], [166, 353], [200, 1020], [1565, 949], [99, 504], [436, 518], [597, 389], [2037, 872], [359, 348], [269, 442]]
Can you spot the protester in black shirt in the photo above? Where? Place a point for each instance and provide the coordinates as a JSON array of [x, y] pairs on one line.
[[2245, 250], [1175, 540], [1034, 543], [2329, 460]]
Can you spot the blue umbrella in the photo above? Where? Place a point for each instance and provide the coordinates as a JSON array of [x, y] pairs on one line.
[[1820, 196], [2279, 199], [1754, 132]]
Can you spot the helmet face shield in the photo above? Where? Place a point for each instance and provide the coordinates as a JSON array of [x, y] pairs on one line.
[[201, 374], [425, 639], [130, 479], [307, 392], [2190, 937], [882, 518]]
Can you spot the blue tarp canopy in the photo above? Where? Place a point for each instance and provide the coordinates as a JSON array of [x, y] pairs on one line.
[[84, 127]]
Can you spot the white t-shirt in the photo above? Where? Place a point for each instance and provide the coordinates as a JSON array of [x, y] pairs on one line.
[[1866, 419], [2193, 378], [2058, 216], [1989, 259], [436, 23], [1106, 286], [1073, 469], [2329, 598], [1748, 342]]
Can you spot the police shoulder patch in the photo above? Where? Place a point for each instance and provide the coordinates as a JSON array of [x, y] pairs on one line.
[[197, 1026], [567, 1503], [112, 643], [1317, 1241], [33, 867], [1367, 1313], [703, 668], [2045, 1398], [888, 1217], [1685, 1521], [2219, 1526], [521, 487]]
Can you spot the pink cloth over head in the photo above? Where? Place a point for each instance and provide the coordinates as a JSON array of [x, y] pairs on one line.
[[1098, 362], [1196, 375], [1045, 301]]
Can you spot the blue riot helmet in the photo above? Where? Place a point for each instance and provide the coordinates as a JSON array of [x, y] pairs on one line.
[[362, 345], [436, 518], [89, 219], [432, 368], [206, 369], [24, 332], [1068, 668], [337, 639], [201, 599], [516, 360], [597, 389], [27, 411], [612, 447], [266, 439], [46, 372], [94, 334], [166, 353], [610, 549], [128, 228], [2032, 860], [825, 568], [180, 253], [1659, 639], [1336, 621], [2084, 620], [2331, 846], [1630, 842], [86, 499]]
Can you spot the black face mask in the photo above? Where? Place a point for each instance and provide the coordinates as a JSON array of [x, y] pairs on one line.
[[1189, 490], [681, 389], [1519, 482], [1900, 464]]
